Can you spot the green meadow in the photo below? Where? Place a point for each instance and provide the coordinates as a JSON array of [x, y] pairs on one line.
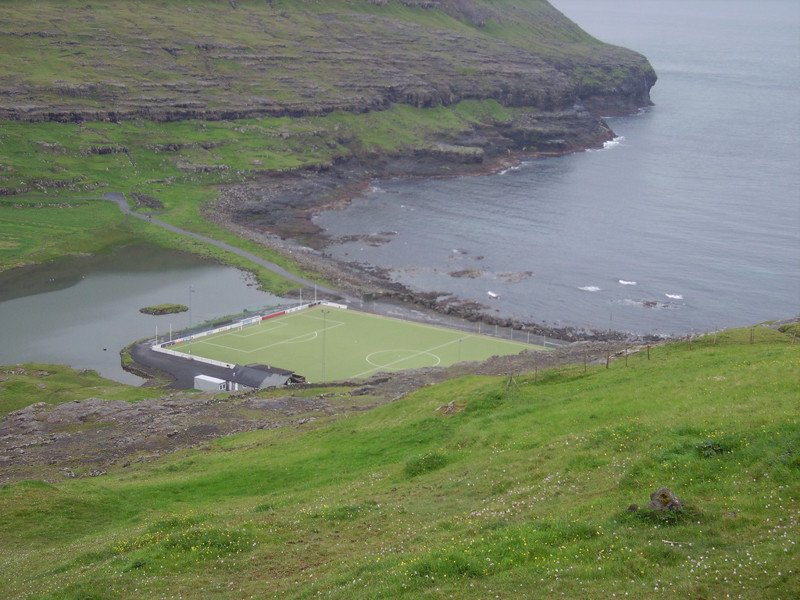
[[53, 175], [104, 93], [520, 489], [22, 385]]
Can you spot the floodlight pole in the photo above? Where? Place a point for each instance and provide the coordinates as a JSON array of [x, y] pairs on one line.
[[191, 291], [324, 328]]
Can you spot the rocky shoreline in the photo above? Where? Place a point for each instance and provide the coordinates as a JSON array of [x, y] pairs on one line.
[[276, 211]]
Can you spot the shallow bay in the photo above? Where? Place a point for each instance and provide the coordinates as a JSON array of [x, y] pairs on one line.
[[688, 221]]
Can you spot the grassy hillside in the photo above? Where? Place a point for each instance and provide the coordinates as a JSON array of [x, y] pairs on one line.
[[225, 60], [168, 101], [518, 488], [23, 385], [52, 175]]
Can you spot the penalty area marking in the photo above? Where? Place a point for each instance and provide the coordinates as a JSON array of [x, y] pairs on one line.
[[451, 342], [257, 329], [302, 339], [410, 354], [274, 326]]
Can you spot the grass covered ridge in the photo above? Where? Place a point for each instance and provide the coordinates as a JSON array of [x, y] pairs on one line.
[[52, 175], [233, 56], [167, 101], [22, 385], [523, 492]]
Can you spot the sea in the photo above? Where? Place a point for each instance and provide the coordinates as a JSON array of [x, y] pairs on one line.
[[688, 221]]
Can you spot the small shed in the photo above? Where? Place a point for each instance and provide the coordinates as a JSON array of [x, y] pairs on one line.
[[206, 383]]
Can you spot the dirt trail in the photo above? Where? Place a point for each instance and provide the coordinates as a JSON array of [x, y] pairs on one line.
[[119, 199]]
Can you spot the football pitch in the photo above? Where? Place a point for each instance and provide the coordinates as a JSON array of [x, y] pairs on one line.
[[324, 343]]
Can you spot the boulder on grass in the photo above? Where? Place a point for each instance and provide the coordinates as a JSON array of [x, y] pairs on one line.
[[664, 500]]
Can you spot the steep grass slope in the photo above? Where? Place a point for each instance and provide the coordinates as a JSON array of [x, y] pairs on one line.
[[52, 175], [477, 488], [22, 385], [167, 101], [209, 59]]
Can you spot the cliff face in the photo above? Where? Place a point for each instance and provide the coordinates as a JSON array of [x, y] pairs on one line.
[[213, 60]]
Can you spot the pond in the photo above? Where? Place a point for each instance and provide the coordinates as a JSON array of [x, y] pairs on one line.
[[83, 311]]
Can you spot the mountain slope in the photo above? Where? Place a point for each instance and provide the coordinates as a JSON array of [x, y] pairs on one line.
[[117, 60]]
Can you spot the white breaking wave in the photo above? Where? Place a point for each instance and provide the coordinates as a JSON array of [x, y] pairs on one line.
[[590, 288], [675, 296], [623, 282], [514, 168], [609, 144]]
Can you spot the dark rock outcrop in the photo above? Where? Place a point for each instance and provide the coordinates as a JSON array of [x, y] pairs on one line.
[[255, 60], [663, 500]]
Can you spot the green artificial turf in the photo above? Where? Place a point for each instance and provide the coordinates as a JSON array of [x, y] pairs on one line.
[[326, 343]]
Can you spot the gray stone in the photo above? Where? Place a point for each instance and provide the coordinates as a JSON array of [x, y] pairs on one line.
[[664, 500]]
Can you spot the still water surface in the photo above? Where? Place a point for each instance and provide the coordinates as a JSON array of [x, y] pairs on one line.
[[82, 311], [688, 221]]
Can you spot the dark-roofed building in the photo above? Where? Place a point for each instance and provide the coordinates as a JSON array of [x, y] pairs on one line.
[[250, 377], [257, 377]]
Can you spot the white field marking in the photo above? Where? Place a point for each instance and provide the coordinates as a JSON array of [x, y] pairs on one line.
[[257, 330], [428, 351], [414, 354], [299, 338], [517, 343], [303, 337], [295, 340], [510, 342]]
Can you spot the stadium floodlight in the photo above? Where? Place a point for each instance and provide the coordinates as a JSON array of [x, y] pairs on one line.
[[325, 312], [191, 291]]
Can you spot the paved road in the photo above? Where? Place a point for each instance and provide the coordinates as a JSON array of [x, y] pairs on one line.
[[119, 199], [184, 369]]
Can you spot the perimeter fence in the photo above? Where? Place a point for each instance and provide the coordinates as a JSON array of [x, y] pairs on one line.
[[488, 327], [385, 309]]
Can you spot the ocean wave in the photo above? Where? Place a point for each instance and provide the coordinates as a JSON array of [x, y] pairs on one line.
[[654, 304], [609, 144], [624, 282], [509, 169], [590, 288], [675, 296]]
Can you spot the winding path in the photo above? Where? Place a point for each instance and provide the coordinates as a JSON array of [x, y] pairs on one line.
[[184, 369], [119, 199]]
